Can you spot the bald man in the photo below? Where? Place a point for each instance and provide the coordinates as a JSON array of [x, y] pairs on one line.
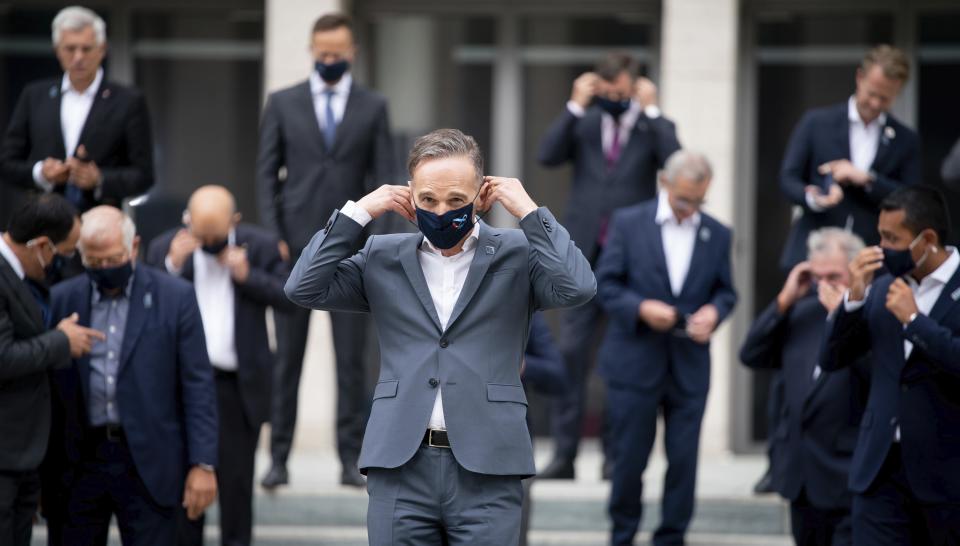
[[237, 272], [139, 413]]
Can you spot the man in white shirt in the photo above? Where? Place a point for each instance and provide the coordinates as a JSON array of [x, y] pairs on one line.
[[237, 272], [80, 135], [612, 132], [664, 279], [323, 141], [901, 309]]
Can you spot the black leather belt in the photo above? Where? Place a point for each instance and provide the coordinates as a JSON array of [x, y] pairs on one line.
[[110, 433], [436, 438]]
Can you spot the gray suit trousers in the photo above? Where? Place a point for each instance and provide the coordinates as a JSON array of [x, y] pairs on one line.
[[432, 500]]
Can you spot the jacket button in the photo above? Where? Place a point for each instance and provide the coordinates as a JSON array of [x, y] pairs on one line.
[[433, 382], [893, 421], [904, 388], [444, 343]]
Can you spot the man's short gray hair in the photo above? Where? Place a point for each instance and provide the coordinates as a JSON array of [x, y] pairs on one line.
[[832, 239], [444, 143], [76, 18], [104, 221], [689, 164]]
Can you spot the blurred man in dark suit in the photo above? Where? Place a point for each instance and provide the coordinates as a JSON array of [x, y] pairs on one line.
[[41, 229], [80, 135], [237, 272], [140, 417], [901, 307], [612, 132], [842, 160], [323, 142], [821, 413], [664, 278]]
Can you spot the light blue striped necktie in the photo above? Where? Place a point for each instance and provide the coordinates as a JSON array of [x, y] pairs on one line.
[[330, 127]]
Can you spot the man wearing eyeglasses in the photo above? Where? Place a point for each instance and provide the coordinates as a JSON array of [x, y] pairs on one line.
[[140, 418], [664, 279]]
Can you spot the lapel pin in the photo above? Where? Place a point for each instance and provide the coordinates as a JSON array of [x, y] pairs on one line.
[[889, 132], [105, 94], [705, 234], [956, 294], [489, 249], [148, 300], [53, 91]]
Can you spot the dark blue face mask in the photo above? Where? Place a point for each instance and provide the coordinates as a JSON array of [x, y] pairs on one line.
[[332, 72], [445, 230], [900, 262], [215, 248], [111, 278], [615, 108]]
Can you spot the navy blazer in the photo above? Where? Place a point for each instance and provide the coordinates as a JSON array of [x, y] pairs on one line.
[[921, 394], [596, 190], [633, 268], [822, 135], [817, 431], [165, 390], [264, 287]]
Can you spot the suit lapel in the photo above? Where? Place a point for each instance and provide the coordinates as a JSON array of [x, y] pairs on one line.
[[354, 99], [659, 256], [701, 240], [95, 118], [305, 98], [52, 119], [82, 304], [948, 298], [843, 132], [23, 294], [487, 245], [140, 306], [407, 253], [883, 147]]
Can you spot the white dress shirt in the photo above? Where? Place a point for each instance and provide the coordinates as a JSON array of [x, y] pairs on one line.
[[678, 238], [445, 276], [341, 92], [215, 296], [926, 293], [74, 108], [11, 258], [626, 122]]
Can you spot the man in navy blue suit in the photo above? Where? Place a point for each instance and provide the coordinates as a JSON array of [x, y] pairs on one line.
[[140, 433], [842, 160], [817, 429], [612, 133], [902, 307], [664, 278]]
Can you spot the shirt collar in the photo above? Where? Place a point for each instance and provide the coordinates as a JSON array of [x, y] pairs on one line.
[[66, 86], [665, 213], [318, 86], [947, 269], [468, 245], [854, 116], [97, 297], [11, 258]]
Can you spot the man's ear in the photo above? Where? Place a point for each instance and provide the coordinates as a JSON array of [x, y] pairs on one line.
[[237, 216]]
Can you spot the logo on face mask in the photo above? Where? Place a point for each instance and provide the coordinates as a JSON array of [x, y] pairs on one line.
[[444, 231]]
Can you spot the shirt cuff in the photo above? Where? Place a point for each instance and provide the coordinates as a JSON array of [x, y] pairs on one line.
[[812, 203], [851, 306], [356, 213], [575, 109], [652, 111], [168, 265], [38, 178]]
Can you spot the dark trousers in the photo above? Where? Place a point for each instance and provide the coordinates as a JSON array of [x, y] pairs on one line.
[[581, 330], [889, 514], [107, 484], [433, 501], [236, 453], [812, 526], [19, 495], [353, 404], [633, 426]]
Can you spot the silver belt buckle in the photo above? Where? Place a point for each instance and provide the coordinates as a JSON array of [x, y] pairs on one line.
[[430, 441]]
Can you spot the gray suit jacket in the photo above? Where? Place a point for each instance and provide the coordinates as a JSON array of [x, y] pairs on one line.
[[476, 360], [318, 180]]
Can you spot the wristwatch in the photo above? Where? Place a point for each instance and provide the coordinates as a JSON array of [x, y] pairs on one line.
[[911, 317], [205, 466]]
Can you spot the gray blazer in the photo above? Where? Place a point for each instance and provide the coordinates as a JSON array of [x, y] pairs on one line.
[[476, 360]]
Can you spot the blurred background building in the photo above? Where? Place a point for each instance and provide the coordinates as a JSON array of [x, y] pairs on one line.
[[734, 74]]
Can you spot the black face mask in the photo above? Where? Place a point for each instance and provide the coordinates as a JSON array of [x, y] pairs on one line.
[[215, 248], [332, 72], [615, 108], [900, 262], [111, 278]]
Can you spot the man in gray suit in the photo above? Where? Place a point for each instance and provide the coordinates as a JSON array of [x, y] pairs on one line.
[[447, 442], [321, 142]]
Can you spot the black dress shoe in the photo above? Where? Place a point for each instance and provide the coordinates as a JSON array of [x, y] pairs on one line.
[[607, 471], [764, 485], [276, 477], [352, 477], [558, 469]]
